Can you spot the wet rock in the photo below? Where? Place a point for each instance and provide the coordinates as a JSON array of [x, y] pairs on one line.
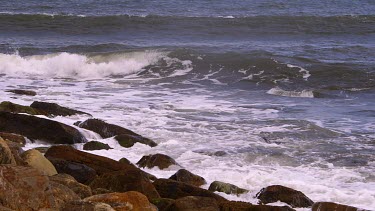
[[15, 108], [195, 203], [53, 109], [126, 180], [86, 206], [24, 188], [330, 206], [81, 190], [126, 161], [14, 138], [174, 190], [290, 196], [159, 160], [82, 173], [245, 206], [6, 156], [128, 141], [162, 204], [104, 129], [186, 176], [95, 145], [22, 92], [131, 200], [42, 149], [226, 188], [40, 129], [62, 194], [36, 160]]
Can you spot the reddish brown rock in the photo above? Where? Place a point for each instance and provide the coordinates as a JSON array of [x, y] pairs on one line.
[[245, 206], [6, 156], [62, 194], [14, 138], [330, 206], [186, 176], [81, 190], [195, 203], [86, 206], [159, 160]]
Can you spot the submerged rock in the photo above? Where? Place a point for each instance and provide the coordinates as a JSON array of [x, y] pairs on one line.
[[36, 160], [82, 173], [330, 206], [159, 160], [290, 196], [226, 188], [95, 145], [127, 141], [186, 176], [22, 92], [53, 109]]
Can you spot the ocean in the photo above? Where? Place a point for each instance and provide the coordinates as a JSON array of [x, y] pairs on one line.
[[254, 93]]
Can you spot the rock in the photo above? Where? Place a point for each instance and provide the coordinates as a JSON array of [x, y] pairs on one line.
[[226, 188], [42, 149], [15, 108], [197, 203], [290, 196], [128, 141], [36, 160], [186, 176], [162, 204], [126, 161], [82, 173], [174, 190], [16, 150], [14, 138], [6, 156], [62, 194], [53, 109], [330, 206], [5, 208], [126, 180], [24, 188], [245, 206], [98, 191], [104, 129], [81, 190], [40, 129], [159, 160], [22, 92], [131, 200], [85, 206], [95, 145]]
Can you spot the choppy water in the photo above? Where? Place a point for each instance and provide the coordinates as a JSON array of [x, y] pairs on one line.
[[283, 91]]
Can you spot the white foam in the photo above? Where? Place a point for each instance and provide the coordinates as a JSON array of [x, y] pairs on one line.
[[306, 73], [280, 92]]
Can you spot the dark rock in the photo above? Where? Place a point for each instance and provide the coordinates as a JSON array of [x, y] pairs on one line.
[[53, 109], [174, 190], [126, 161], [162, 204], [6, 156], [195, 203], [104, 129], [40, 129], [95, 145], [81, 190], [82, 173], [14, 138], [22, 92], [126, 180], [86, 206], [330, 206], [98, 191], [226, 188], [127, 141], [186, 176], [62, 194], [15, 108], [245, 206], [159, 160], [42, 149], [290, 196]]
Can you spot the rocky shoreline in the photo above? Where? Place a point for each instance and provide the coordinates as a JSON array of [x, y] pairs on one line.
[[63, 178]]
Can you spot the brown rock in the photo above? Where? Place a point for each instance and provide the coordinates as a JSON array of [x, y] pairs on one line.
[[81, 190], [37, 160], [16, 150], [163, 204], [126, 140], [85, 206], [62, 194], [14, 138], [174, 190], [95, 145], [245, 206], [131, 200], [5, 208], [104, 129], [22, 92], [53, 109], [226, 188], [98, 191], [40, 129], [330, 206], [6, 156], [196, 203], [290, 196], [186, 176], [159, 160], [42, 149], [15, 108]]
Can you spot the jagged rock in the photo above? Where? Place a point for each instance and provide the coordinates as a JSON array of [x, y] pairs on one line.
[[62, 194], [104, 129], [82, 173], [126, 180], [40, 129], [159, 160], [86, 206], [131, 200], [162, 204], [95, 145], [15, 108], [81, 190], [226, 188], [6, 156], [174, 190], [14, 138], [22, 92], [16, 150], [196, 203], [245, 206], [330, 206], [53, 109], [127, 141], [290, 196], [36, 160], [186, 176], [24, 188]]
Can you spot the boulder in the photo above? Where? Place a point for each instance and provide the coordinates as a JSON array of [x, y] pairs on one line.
[[186, 176], [22, 92], [36, 160], [53, 109], [62, 194], [131, 200], [81, 190], [290, 196], [6, 156], [174, 190], [126, 161], [163, 204], [15, 108], [16, 150], [104, 129], [85, 206], [40, 129], [95, 145], [13, 138], [226, 188], [42, 150], [126, 180], [197, 203], [82, 173], [245, 206], [98, 191], [24, 188], [159, 160], [330, 206], [127, 141]]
